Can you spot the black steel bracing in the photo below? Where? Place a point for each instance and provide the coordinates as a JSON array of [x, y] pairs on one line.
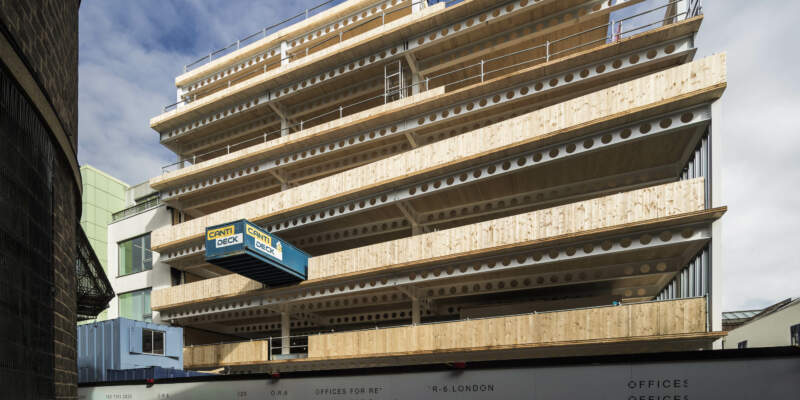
[[94, 289]]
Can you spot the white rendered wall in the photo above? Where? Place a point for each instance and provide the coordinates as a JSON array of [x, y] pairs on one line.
[[772, 330], [717, 200], [128, 228]]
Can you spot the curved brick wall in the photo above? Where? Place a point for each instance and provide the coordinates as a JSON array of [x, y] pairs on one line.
[[39, 200]]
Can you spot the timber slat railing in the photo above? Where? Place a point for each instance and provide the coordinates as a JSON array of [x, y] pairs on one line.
[[610, 323], [477, 72]]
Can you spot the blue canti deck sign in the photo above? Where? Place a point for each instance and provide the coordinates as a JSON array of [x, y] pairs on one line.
[[246, 249]]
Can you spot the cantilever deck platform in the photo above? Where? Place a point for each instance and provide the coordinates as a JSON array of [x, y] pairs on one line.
[[246, 249]]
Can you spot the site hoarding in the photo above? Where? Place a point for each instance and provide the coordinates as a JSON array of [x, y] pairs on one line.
[[726, 374], [244, 248]]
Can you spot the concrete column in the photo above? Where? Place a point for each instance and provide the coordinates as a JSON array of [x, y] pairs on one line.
[[415, 319], [284, 52], [285, 333], [178, 99], [284, 126], [416, 83], [672, 11], [418, 5]]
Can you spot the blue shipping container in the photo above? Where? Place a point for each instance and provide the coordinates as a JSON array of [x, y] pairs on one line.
[[246, 249], [122, 344]]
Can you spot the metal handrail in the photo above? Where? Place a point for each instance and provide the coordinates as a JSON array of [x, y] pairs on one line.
[[263, 32], [481, 74], [382, 16], [136, 209], [209, 57]]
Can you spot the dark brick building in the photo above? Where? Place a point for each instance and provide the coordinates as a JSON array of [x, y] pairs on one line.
[[39, 198]]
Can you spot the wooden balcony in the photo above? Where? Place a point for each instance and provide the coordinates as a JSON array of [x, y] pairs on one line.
[[177, 185], [662, 326], [640, 207], [693, 83]]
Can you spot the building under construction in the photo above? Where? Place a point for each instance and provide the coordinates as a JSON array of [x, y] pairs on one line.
[[461, 182]]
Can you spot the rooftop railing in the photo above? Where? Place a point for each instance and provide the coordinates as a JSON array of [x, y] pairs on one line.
[[303, 15], [249, 39], [139, 208], [477, 72]]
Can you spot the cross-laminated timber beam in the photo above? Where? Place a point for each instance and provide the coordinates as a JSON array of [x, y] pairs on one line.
[[636, 207], [305, 72], [328, 16], [623, 208], [444, 117], [653, 47], [294, 35], [459, 292], [649, 128], [674, 30], [388, 36], [595, 325], [524, 270], [487, 208], [698, 81], [644, 319]]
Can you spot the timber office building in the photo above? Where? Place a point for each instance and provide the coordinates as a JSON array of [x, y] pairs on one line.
[[475, 180]]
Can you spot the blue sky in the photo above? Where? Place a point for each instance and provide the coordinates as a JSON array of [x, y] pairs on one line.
[[131, 51]]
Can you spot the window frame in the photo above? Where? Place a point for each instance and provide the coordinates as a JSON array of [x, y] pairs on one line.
[[145, 317], [794, 335], [119, 254], [151, 333]]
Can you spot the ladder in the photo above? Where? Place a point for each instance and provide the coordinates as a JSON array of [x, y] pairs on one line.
[[393, 82]]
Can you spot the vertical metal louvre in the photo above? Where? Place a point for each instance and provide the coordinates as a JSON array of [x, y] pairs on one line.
[[693, 280]]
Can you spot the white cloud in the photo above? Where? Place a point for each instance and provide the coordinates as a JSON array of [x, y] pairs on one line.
[[761, 140], [130, 54]]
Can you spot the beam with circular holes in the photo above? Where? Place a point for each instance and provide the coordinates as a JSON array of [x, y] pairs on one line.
[[664, 124], [442, 116], [249, 64], [687, 235], [415, 43]]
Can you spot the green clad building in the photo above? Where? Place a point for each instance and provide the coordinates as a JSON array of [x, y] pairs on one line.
[[103, 195]]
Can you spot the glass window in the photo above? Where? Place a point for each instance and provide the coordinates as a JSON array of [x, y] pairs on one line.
[[176, 276], [152, 341], [135, 255], [794, 331], [742, 344], [135, 305]]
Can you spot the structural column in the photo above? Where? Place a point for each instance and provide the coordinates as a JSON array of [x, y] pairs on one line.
[[418, 5], [284, 53], [676, 9], [285, 333], [415, 319]]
